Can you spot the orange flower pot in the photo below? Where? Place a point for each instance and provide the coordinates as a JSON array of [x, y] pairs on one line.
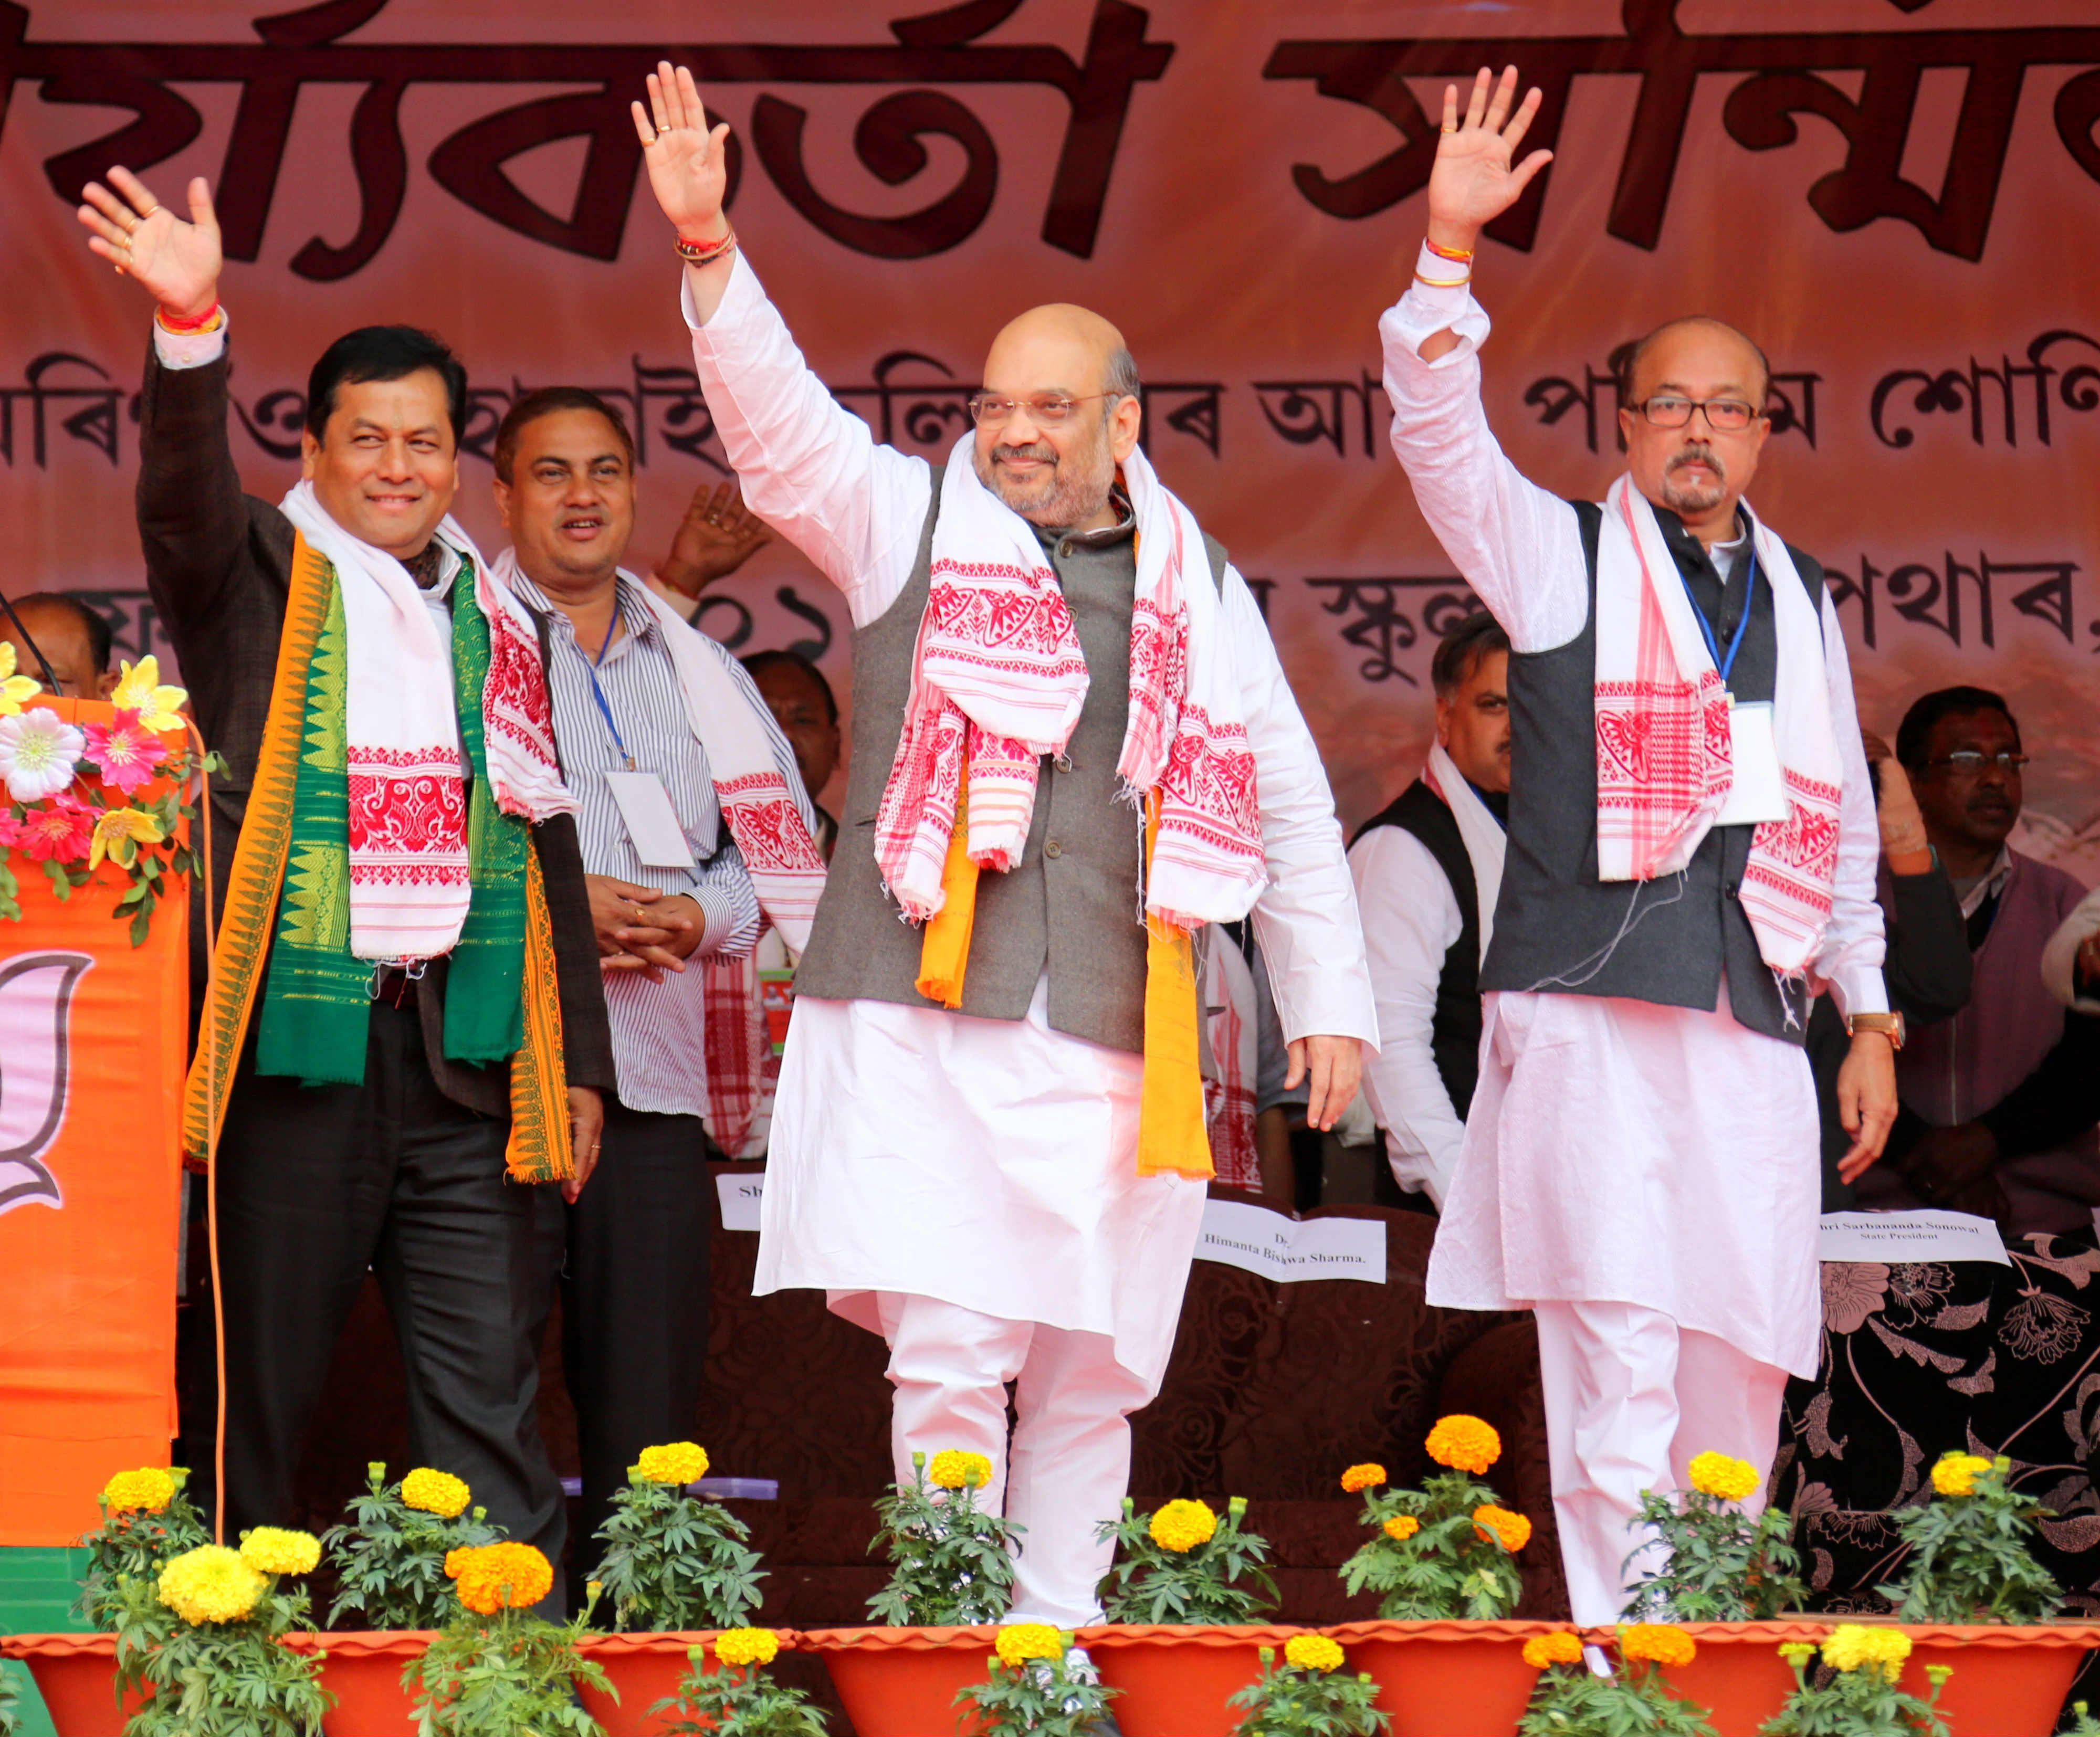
[[362, 1668], [76, 1676], [1437, 1678], [1737, 1674], [1175, 1680], [2008, 1680], [645, 1669], [903, 1682]]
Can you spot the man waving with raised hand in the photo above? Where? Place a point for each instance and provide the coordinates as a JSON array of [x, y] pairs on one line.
[[989, 1144], [1691, 854]]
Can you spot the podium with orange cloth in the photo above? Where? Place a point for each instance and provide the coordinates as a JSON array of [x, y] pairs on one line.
[[93, 1035]]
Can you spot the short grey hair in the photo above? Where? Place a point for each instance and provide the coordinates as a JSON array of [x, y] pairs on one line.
[[1122, 378]]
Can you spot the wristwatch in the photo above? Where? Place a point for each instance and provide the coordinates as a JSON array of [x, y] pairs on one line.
[[1891, 1026]]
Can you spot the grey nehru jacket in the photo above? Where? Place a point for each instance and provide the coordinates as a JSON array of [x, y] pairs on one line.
[[1560, 929], [1069, 904]]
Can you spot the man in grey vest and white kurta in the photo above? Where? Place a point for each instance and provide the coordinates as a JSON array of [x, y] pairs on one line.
[[1691, 854], [988, 1143]]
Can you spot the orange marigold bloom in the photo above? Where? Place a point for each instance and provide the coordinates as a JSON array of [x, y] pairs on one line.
[[1563, 1646], [493, 1576], [1658, 1642], [1464, 1443], [1508, 1528], [1362, 1477], [1402, 1527]]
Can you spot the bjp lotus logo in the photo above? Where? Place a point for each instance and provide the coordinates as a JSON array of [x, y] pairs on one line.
[[36, 1053]]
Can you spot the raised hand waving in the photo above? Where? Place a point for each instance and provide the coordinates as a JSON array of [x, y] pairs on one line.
[[177, 263], [688, 163], [1473, 182]]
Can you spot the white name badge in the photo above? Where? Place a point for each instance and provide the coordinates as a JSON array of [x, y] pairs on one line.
[[1758, 791], [652, 823]]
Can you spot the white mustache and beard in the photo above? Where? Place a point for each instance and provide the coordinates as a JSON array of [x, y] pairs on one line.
[[1683, 497], [1072, 490]]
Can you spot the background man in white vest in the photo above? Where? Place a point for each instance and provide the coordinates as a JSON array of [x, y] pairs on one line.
[[1014, 1194], [1691, 845]]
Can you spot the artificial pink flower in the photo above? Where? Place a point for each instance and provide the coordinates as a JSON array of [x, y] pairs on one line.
[[38, 751], [126, 753], [60, 830]]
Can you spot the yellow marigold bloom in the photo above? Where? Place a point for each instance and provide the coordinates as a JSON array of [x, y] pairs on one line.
[[1509, 1529], [1402, 1527], [210, 1584], [1955, 1474], [1313, 1652], [118, 834], [1563, 1646], [138, 689], [1023, 1641], [14, 689], [1658, 1642], [748, 1647], [437, 1492], [1717, 1475], [1464, 1443], [1854, 1646], [271, 1550], [1181, 1526], [1362, 1478], [680, 1463], [492, 1575], [952, 1468], [147, 1490], [1796, 1653]]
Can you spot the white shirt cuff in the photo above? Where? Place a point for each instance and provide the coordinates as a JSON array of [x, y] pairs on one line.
[[1859, 989], [180, 349], [743, 291], [1427, 310]]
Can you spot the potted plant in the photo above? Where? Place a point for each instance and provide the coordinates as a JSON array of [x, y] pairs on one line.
[[1308, 1695], [1571, 1700], [677, 1569], [735, 1700], [495, 1670], [1032, 1689], [1858, 1692], [201, 1643], [1184, 1601], [951, 1575], [1443, 1650]]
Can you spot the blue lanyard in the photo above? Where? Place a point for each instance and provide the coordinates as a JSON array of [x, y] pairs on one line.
[[1713, 646], [605, 708]]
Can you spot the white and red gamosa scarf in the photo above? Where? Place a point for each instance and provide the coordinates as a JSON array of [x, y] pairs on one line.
[[999, 680], [1663, 746]]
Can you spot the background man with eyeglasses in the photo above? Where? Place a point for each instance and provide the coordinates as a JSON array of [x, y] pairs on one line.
[[1691, 846], [1999, 1102], [988, 1141]]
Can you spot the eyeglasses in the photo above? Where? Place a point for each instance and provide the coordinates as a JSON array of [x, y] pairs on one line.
[[1049, 411], [1968, 762], [1724, 416]]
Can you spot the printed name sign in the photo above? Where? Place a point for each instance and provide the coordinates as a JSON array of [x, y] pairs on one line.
[[740, 1192], [1256, 1239], [1899, 1236]]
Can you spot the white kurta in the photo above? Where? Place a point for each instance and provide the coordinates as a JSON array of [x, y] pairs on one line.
[[991, 1163], [1618, 1151]]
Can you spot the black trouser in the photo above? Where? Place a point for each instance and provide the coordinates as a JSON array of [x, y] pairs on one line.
[[316, 1185], [634, 1302]]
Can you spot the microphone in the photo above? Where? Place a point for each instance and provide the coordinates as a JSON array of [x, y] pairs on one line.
[[35, 651]]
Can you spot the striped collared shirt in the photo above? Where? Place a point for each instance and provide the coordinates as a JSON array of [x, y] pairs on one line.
[[657, 1028]]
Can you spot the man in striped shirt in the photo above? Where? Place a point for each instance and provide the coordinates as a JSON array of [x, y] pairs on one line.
[[635, 1275]]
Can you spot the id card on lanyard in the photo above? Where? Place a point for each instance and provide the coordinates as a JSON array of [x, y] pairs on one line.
[[1757, 788], [653, 826]]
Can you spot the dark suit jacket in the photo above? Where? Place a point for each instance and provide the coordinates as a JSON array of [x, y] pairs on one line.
[[218, 564]]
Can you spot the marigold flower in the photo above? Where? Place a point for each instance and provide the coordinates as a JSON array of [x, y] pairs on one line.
[[39, 753], [1730, 1480], [210, 1584], [437, 1492], [1464, 1443], [271, 1550], [14, 689], [1362, 1477], [953, 1468], [1796, 1653], [138, 689], [1510, 1530], [1023, 1641], [1563, 1646], [147, 1490], [1181, 1526], [1853, 1646], [747, 1647], [1956, 1473], [492, 1575], [1657, 1642], [119, 832], [1402, 1527], [1313, 1652], [680, 1463]]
